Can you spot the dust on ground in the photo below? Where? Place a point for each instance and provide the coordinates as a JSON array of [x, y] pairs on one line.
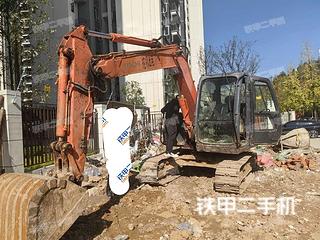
[[170, 212]]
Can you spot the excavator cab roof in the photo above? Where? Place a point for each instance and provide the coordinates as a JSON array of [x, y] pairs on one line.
[[237, 75]]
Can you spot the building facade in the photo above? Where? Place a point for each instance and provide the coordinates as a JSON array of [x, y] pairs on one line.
[[195, 35], [2, 69], [63, 15], [142, 19], [178, 21], [100, 16], [60, 20]]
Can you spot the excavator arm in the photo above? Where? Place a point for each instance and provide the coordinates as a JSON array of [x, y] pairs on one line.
[[74, 105], [78, 69], [122, 64]]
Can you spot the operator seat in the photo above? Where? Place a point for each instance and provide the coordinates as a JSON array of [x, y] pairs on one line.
[[227, 108]]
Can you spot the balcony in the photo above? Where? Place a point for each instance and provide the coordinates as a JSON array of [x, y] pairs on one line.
[[175, 16], [175, 37], [166, 30], [175, 33]]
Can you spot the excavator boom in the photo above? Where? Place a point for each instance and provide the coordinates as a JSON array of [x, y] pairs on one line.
[[122, 64]]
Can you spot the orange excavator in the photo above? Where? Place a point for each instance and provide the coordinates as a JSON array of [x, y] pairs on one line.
[[227, 116]]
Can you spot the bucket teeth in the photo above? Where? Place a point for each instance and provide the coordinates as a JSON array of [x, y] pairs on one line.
[[37, 207]]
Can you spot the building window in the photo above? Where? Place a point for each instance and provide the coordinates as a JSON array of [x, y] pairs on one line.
[[166, 31]]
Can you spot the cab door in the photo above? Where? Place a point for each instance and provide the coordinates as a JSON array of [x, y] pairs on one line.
[[266, 113]]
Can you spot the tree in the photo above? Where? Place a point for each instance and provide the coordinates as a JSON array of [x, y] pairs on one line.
[[309, 71], [299, 89], [289, 91], [233, 56], [18, 17], [8, 30], [133, 93], [171, 89]]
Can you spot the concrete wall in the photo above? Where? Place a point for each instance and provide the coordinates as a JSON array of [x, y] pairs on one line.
[[288, 116], [12, 148], [141, 18], [195, 35]]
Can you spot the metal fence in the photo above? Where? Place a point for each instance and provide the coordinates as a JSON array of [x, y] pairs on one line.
[[155, 121], [93, 142], [38, 132], [39, 125]]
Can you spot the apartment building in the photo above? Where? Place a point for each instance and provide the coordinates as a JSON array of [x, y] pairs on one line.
[[178, 21], [142, 18], [60, 21]]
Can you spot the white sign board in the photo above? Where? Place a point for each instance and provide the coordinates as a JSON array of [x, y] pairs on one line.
[[116, 133]]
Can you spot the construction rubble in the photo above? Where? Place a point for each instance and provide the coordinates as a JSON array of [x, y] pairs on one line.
[[95, 173], [295, 152], [172, 212], [292, 159]]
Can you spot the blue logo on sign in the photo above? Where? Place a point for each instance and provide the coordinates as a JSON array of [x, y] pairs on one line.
[[123, 175], [123, 138], [104, 122]]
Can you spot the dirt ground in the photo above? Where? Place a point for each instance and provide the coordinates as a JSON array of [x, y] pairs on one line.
[[171, 212]]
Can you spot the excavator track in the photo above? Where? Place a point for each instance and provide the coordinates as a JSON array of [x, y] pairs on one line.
[[36, 207], [234, 176], [233, 173], [158, 170]]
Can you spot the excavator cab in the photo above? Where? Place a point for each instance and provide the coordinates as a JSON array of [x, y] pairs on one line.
[[235, 112]]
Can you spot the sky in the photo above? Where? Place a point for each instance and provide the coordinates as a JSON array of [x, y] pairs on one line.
[[278, 28]]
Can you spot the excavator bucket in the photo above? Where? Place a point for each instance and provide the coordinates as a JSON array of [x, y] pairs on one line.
[[36, 207]]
